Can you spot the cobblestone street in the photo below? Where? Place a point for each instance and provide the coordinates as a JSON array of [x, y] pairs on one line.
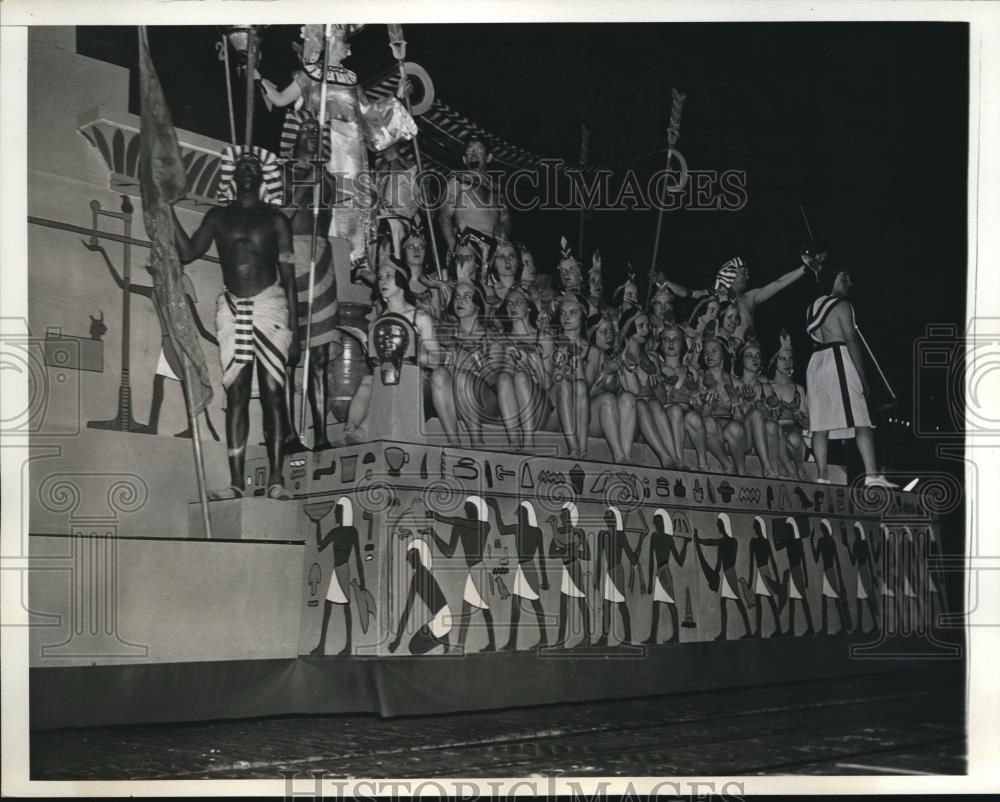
[[891, 723]]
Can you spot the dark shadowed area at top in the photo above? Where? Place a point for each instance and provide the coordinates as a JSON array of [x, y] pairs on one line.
[[864, 125]]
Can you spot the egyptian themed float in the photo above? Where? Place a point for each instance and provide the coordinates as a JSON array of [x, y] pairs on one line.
[[404, 575]]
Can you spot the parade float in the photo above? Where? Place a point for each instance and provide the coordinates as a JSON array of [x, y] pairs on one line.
[[405, 575]]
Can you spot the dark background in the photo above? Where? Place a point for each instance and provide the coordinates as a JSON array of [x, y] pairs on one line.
[[864, 125]]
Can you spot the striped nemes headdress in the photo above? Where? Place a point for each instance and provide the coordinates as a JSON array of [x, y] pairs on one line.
[[294, 119], [727, 273], [271, 190]]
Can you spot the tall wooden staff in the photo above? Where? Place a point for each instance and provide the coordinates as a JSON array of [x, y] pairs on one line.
[[584, 159], [317, 198], [398, 46], [673, 132], [251, 84]]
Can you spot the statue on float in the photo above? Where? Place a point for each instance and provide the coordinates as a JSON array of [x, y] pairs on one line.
[[354, 122]]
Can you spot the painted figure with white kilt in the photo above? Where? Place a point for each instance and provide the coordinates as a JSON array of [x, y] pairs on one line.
[[529, 576], [423, 584], [860, 554], [570, 545], [344, 539], [609, 574], [824, 550], [472, 531], [762, 583], [662, 549], [796, 577], [721, 577]]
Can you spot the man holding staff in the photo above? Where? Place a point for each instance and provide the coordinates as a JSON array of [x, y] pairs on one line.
[[256, 316]]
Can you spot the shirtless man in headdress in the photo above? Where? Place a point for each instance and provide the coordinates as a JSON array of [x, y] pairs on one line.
[[734, 276], [473, 205], [256, 316]]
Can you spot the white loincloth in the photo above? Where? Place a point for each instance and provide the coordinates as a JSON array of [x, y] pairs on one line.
[[440, 624], [724, 590], [163, 367], [521, 586], [660, 593], [862, 593], [828, 590], [908, 589], [760, 586], [253, 328], [335, 593], [793, 589], [568, 586], [610, 591], [471, 595]]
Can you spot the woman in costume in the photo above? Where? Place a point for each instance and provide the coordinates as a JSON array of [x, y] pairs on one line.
[[460, 392], [638, 376], [663, 549], [524, 356], [626, 297], [571, 392], [762, 580], [609, 574], [504, 271], [355, 124], [392, 294], [755, 400], [612, 409], [717, 398], [529, 576], [727, 327], [703, 318], [721, 577], [676, 390], [572, 281], [464, 265], [569, 543], [791, 412], [835, 378], [423, 584]]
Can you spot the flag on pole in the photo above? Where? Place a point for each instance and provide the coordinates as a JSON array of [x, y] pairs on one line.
[[162, 181]]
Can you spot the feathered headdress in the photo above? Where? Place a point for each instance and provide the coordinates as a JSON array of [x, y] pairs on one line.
[[785, 347]]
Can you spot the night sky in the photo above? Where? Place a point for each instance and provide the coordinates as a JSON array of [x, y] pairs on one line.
[[864, 125]]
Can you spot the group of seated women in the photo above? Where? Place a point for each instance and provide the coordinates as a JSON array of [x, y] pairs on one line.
[[499, 346]]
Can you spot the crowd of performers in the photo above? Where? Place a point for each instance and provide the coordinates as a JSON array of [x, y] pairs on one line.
[[501, 342]]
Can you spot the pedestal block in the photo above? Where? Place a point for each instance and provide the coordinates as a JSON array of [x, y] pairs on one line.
[[249, 519]]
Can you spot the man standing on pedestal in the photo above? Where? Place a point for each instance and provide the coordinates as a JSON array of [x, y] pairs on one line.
[[305, 178], [473, 207], [256, 315]]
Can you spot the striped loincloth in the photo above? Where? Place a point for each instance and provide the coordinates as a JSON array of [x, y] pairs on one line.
[[324, 303], [253, 328]]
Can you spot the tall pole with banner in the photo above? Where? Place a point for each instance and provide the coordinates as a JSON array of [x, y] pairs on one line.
[[673, 134]]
